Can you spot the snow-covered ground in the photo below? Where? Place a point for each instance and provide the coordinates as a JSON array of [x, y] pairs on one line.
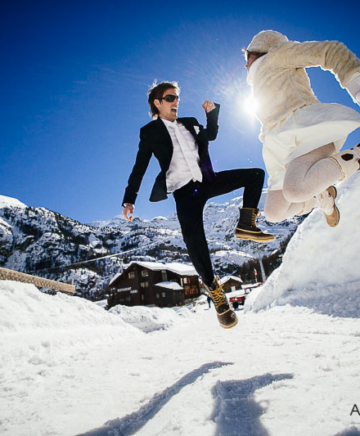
[[68, 367], [290, 366]]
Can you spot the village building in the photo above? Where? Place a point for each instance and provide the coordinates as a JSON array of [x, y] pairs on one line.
[[235, 293], [231, 283], [154, 284]]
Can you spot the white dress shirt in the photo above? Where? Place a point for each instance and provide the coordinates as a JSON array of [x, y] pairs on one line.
[[184, 165]]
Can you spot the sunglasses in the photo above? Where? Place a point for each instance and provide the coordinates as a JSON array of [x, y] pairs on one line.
[[170, 98]]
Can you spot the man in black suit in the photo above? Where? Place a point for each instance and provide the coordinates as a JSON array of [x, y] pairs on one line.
[[181, 146]]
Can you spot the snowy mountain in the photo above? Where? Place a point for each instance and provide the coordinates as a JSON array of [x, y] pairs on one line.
[[290, 367], [45, 243]]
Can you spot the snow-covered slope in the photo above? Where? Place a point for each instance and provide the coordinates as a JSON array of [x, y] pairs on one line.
[[321, 267]]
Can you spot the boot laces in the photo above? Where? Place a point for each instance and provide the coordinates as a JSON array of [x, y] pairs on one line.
[[218, 296]]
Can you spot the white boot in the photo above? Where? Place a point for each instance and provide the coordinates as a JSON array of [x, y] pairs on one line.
[[348, 161], [326, 201]]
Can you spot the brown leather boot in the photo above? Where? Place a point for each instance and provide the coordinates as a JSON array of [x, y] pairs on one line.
[[225, 314], [247, 229]]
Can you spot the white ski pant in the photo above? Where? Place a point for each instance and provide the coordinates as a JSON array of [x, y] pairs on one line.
[[305, 178]]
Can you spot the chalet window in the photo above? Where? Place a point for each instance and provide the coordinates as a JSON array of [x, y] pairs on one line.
[[144, 273], [163, 294], [164, 276], [142, 297], [144, 284], [131, 274], [184, 280], [157, 296], [135, 291]]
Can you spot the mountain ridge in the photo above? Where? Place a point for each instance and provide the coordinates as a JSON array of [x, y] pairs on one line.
[[38, 241]]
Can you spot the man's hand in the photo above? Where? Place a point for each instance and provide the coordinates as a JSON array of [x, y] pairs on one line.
[[128, 209], [208, 106]]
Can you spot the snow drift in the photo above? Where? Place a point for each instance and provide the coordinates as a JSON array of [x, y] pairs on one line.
[[320, 268]]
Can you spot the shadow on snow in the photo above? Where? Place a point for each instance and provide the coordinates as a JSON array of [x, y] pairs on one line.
[[236, 412], [130, 424]]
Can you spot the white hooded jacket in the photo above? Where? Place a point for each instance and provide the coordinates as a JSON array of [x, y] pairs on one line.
[[281, 84]]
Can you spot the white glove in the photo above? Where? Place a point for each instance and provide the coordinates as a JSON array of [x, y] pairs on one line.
[[354, 89]]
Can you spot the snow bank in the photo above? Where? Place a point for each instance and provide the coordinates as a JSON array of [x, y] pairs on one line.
[[320, 268], [149, 319], [24, 309]]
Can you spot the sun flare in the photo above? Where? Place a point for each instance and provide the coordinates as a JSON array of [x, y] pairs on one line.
[[250, 105]]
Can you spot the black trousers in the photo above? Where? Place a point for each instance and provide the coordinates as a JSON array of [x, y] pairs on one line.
[[190, 202]]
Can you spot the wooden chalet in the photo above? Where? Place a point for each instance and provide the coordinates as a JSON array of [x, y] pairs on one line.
[[231, 283], [154, 284]]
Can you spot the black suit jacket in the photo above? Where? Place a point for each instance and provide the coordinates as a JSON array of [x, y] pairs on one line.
[[155, 140]]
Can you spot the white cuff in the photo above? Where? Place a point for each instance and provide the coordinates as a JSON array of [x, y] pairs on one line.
[[354, 89]]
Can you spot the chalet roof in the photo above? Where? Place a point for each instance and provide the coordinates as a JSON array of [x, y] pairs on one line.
[[114, 278], [170, 285], [176, 267], [225, 279]]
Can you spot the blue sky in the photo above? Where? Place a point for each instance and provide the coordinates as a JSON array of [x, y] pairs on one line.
[[75, 75]]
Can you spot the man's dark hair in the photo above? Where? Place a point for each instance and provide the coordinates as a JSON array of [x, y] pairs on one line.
[[156, 92]]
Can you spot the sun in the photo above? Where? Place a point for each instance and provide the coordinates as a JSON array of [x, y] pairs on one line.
[[250, 106]]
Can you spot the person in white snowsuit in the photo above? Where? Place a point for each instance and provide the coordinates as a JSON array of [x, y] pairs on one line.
[[302, 137]]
